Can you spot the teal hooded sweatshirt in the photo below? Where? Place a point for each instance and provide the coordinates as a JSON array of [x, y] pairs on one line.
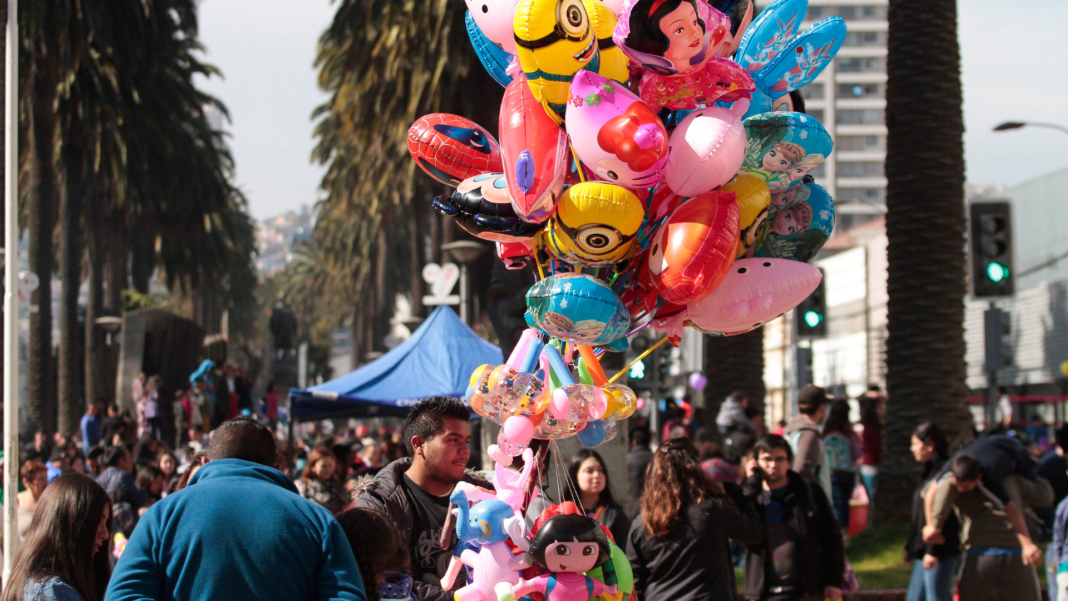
[[238, 531]]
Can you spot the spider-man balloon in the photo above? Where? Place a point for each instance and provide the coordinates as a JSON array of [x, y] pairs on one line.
[[451, 148]]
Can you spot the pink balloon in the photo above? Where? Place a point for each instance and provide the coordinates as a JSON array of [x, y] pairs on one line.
[[495, 19], [698, 381], [578, 403], [615, 5], [518, 428], [707, 149], [614, 133], [535, 153]]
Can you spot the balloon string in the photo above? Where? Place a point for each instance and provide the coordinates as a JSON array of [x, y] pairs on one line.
[[639, 328], [578, 164], [637, 359]]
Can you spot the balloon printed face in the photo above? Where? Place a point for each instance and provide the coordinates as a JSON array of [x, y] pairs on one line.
[[783, 148], [451, 149], [615, 133], [670, 37], [495, 19], [535, 150], [482, 206], [800, 224], [578, 308], [595, 225]]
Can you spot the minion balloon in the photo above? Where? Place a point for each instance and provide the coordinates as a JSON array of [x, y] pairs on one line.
[[595, 224], [556, 38]]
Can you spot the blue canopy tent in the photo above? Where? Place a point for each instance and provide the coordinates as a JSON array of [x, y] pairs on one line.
[[436, 361]]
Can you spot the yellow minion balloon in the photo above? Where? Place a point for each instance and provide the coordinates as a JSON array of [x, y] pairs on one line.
[[595, 224], [556, 38], [753, 201]]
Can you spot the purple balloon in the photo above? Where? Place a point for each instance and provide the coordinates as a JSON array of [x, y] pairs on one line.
[[698, 381]]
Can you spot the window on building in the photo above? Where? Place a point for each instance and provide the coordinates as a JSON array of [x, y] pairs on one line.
[[813, 91], [865, 38], [861, 117], [861, 65], [860, 143], [860, 169], [851, 13], [861, 194], [861, 90], [815, 13], [818, 114], [819, 171]]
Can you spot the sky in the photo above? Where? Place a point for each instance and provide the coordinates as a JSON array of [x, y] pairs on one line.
[[1014, 60]]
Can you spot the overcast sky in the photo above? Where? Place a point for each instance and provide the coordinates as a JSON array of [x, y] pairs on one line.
[[1014, 55]]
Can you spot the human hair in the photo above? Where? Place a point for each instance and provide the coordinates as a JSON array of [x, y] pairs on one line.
[[798, 100], [95, 454], [427, 418], [793, 152], [570, 528], [243, 438], [197, 460], [869, 412], [146, 475], [153, 383], [1061, 436], [272, 386], [639, 437], [768, 443], [113, 455], [838, 418], [318, 454], [61, 539], [802, 214], [930, 433], [573, 495], [674, 481], [30, 468], [739, 396], [966, 468], [645, 33], [376, 543], [810, 399], [58, 454]]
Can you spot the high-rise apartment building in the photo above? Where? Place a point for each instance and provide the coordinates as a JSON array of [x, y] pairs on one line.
[[849, 98]]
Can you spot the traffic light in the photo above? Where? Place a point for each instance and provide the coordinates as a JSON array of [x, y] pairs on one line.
[[663, 366], [991, 250], [810, 317], [997, 331], [637, 371]]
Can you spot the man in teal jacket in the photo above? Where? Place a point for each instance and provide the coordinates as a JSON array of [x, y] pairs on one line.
[[239, 530]]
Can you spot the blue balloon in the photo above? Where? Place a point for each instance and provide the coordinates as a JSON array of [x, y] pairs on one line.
[[593, 434], [492, 57], [577, 308]]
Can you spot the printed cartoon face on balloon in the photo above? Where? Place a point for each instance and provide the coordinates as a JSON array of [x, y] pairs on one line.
[[494, 18], [451, 149], [753, 201], [782, 148], [671, 37], [794, 214], [801, 222], [595, 224], [570, 543], [483, 207], [578, 308]]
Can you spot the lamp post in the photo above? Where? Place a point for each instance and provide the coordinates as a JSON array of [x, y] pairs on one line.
[[11, 284], [464, 253], [1009, 125]]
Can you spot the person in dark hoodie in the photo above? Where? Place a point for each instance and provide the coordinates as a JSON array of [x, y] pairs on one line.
[[239, 530], [678, 546], [414, 491], [935, 566], [802, 558], [803, 433]]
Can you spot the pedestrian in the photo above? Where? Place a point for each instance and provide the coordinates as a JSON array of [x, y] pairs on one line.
[[113, 425], [58, 462], [238, 531], [196, 461], [414, 491], [168, 466], [732, 414], [802, 558], [1054, 468], [152, 413], [677, 546], [150, 479], [1059, 550], [872, 409], [638, 459], [842, 446], [998, 558], [318, 482], [95, 461], [717, 466], [594, 493], [270, 402], [34, 478], [92, 423], [64, 556], [934, 565], [380, 553], [803, 433], [116, 477]]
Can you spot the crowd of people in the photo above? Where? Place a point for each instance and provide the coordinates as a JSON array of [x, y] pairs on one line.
[[375, 519]]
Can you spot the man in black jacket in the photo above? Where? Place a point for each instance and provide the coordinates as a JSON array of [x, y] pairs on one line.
[[802, 558], [638, 459]]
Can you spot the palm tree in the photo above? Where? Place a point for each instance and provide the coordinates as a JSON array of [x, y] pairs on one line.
[[733, 363], [925, 229]]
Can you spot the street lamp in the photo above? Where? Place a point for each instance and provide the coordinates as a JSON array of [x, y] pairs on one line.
[[1008, 125], [464, 252]]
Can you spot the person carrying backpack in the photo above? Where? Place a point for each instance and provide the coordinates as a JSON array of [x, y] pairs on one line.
[[842, 448]]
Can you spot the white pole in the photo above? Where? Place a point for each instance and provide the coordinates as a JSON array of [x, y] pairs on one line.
[[11, 299]]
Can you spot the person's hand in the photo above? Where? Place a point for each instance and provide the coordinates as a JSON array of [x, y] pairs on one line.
[[929, 562], [932, 535], [1032, 555], [751, 467], [832, 593]]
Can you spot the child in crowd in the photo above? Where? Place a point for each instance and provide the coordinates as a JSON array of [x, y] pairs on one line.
[[380, 553]]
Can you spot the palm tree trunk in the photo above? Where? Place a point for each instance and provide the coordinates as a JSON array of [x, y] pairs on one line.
[[925, 231], [95, 386], [71, 197], [41, 221], [116, 257], [142, 260], [733, 363], [416, 258]]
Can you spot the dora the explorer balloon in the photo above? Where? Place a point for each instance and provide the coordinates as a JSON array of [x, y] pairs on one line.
[[568, 545], [675, 42]]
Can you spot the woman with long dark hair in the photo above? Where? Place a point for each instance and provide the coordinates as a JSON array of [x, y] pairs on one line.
[[381, 554], [842, 447], [318, 482], [65, 553], [935, 566], [678, 546], [594, 493]]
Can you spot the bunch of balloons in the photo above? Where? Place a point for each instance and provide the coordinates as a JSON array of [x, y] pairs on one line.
[[651, 170]]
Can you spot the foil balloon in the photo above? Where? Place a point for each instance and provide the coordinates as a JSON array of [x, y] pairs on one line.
[[670, 37], [515, 255], [493, 58], [495, 18], [800, 222], [707, 149], [740, 12], [721, 79], [614, 133], [451, 149], [482, 207], [753, 201], [573, 401], [535, 151], [783, 148], [754, 292], [557, 38], [698, 381], [595, 224], [690, 254], [577, 308]]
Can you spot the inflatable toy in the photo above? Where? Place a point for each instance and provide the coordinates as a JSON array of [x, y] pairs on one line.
[[800, 222], [568, 545], [495, 18], [482, 207], [578, 308], [783, 148], [451, 149], [595, 224], [493, 58], [753, 200], [515, 255], [536, 152], [707, 149]]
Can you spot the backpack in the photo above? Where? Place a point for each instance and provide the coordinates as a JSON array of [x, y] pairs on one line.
[[839, 452]]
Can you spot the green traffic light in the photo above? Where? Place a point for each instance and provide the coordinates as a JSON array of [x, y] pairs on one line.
[[997, 272], [813, 318], [637, 371]]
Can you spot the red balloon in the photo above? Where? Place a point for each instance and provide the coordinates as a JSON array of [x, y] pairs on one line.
[[691, 253], [450, 148], [536, 152]]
